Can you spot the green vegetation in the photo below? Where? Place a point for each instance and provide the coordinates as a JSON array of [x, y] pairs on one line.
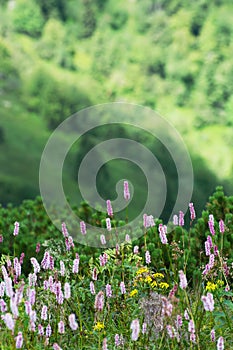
[[179, 294], [58, 57]]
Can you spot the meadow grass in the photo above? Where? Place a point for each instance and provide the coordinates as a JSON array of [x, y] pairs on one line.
[[121, 299]]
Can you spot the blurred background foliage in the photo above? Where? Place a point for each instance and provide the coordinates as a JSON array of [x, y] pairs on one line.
[[59, 56]]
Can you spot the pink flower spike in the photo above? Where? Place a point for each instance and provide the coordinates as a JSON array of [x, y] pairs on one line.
[[72, 322], [147, 257], [212, 335], [126, 191], [61, 327], [208, 302], [99, 301], [109, 208], [83, 228], [220, 343], [64, 230], [108, 291], [102, 239], [221, 226], [108, 224], [211, 227], [16, 229], [181, 218], [135, 327], [192, 211], [183, 280], [19, 341], [175, 220]]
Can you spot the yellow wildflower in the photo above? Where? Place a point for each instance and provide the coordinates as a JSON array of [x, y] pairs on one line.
[[98, 326], [133, 292], [211, 286], [158, 275], [148, 279], [154, 284], [220, 283], [142, 270], [163, 285]]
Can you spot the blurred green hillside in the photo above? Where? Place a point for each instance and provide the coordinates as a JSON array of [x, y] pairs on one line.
[[59, 56]]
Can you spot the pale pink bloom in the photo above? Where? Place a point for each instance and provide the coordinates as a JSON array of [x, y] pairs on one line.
[[44, 315], [45, 263], [144, 328], [126, 191], [61, 327], [136, 249], [221, 226], [170, 331], [162, 233], [19, 341], [127, 238], [64, 230], [207, 248], [14, 307], [175, 220], [3, 306], [193, 337], [8, 287], [35, 265], [147, 257], [46, 284], [109, 208], [51, 263], [16, 229], [33, 316], [4, 272], [67, 291], [208, 302], [48, 331], [105, 347], [179, 321], [192, 211], [209, 240], [75, 266], [108, 289], [22, 256], [119, 340], [216, 252], [31, 296], [211, 227], [211, 217], [56, 347], [62, 268], [32, 278], [183, 280], [40, 330], [122, 287], [181, 218], [28, 307], [166, 307], [72, 322], [83, 228], [60, 298], [191, 326], [211, 261], [148, 221], [37, 247], [220, 343], [2, 288], [102, 239], [92, 288], [9, 322], [32, 326], [99, 301], [212, 335], [94, 274], [108, 224], [186, 315], [135, 327]]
